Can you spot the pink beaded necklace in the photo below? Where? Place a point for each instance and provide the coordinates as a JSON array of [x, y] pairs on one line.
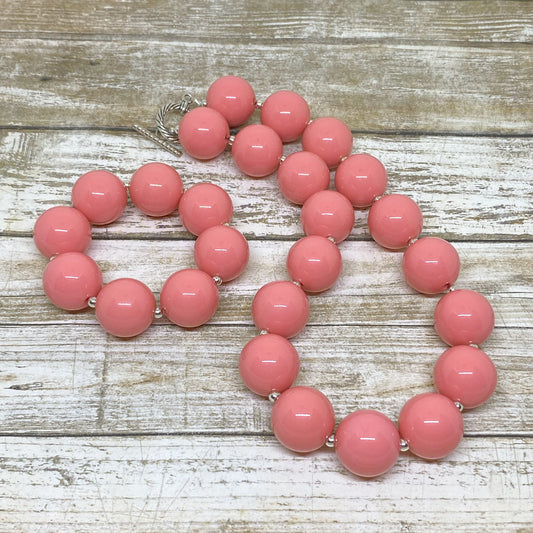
[[366, 442]]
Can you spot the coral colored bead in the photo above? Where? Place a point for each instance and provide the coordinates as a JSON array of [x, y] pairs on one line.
[[221, 251], [465, 374], [156, 189], [367, 443], [269, 363], [204, 205], [287, 113], [431, 424], [328, 138], [203, 133], [125, 307], [100, 196], [302, 419], [257, 150], [314, 262], [431, 265], [463, 317], [394, 220], [62, 229], [189, 298], [328, 214], [280, 307], [302, 174], [71, 279], [233, 97], [361, 178]]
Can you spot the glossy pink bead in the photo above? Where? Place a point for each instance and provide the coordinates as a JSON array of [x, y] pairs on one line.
[[287, 113], [125, 307], [465, 374], [367, 443], [100, 196], [221, 251], [156, 189], [463, 317], [394, 220], [269, 363], [302, 419], [280, 307], [431, 265], [62, 229], [314, 262], [257, 150], [361, 178], [71, 279], [302, 174], [233, 97], [328, 214], [203, 133], [189, 298], [431, 424], [328, 138], [204, 205]]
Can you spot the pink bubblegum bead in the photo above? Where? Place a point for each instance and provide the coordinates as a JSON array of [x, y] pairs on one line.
[[221, 251], [394, 220], [328, 138], [71, 279], [232, 97], [287, 113], [100, 196], [361, 178], [463, 317], [431, 424], [125, 307], [431, 265], [203, 132], [302, 174], [465, 374], [269, 363], [189, 298], [257, 150], [302, 419], [204, 205], [328, 214], [156, 189], [314, 262], [367, 443], [280, 307], [62, 229]]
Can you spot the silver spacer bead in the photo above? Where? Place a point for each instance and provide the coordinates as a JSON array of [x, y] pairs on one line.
[[474, 345], [231, 140], [412, 241], [378, 197], [91, 302], [158, 313], [282, 158], [330, 441], [298, 284], [258, 105], [451, 289], [330, 238], [217, 280], [404, 445], [459, 406], [273, 396], [263, 332]]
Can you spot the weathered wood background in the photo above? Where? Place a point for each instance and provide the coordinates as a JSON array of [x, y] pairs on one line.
[[158, 433]]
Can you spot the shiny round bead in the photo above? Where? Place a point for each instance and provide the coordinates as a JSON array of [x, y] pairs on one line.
[[394, 220], [257, 150], [431, 424], [222, 252], [62, 229], [287, 113], [302, 419], [71, 279], [314, 262], [100, 196], [463, 317], [431, 265], [465, 374], [125, 307], [280, 307], [269, 363], [367, 443], [156, 189], [189, 298], [204, 205]]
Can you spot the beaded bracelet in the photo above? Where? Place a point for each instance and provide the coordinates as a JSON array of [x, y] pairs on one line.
[[366, 442]]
